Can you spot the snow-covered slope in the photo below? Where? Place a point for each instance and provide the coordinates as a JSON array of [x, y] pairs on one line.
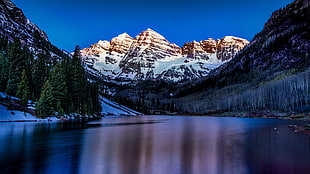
[[108, 108], [11, 115], [112, 108], [150, 56]]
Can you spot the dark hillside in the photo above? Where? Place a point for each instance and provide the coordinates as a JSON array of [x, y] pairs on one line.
[[272, 68]]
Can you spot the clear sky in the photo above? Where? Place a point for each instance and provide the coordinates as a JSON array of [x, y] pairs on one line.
[[84, 22]]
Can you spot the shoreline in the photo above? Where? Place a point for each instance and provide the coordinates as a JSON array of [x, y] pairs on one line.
[[8, 121], [247, 114], [305, 129], [301, 129]]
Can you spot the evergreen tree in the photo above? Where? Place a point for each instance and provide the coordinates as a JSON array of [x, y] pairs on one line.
[[59, 88], [15, 63], [66, 69], [59, 109], [93, 104], [19, 59], [78, 82], [4, 43], [23, 91], [40, 72], [44, 106], [4, 66]]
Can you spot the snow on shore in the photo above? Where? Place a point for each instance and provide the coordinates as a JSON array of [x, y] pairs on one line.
[[8, 115], [108, 108]]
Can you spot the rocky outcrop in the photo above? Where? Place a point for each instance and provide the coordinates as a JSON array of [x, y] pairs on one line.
[[225, 48], [194, 50], [229, 46], [209, 46]]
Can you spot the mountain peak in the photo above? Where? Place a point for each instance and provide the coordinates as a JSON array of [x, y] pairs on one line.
[[149, 29], [232, 38], [124, 35], [150, 33]]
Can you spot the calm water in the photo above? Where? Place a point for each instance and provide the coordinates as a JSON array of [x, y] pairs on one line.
[[155, 145]]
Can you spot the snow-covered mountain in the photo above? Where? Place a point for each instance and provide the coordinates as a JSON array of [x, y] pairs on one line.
[[14, 24], [150, 56]]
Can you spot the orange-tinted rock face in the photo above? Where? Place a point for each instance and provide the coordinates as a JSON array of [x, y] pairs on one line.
[[138, 57], [154, 41], [121, 43], [148, 47], [209, 45], [225, 48], [229, 46], [192, 49]]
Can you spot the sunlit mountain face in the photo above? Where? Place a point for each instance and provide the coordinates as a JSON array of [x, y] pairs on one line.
[[150, 56]]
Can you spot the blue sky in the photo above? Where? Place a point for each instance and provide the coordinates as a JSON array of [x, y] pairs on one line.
[[84, 22]]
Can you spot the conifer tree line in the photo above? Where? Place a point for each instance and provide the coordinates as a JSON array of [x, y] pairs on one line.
[[59, 87]]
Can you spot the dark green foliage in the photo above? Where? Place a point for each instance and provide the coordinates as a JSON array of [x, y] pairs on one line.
[[23, 91], [40, 72], [19, 59], [14, 59], [3, 43], [17, 63], [78, 81], [148, 96], [69, 90], [57, 85], [4, 66], [60, 109], [44, 106], [93, 104]]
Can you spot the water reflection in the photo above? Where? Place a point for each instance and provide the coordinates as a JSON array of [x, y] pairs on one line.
[[278, 152], [38, 148], [175, 146], [154, 145]]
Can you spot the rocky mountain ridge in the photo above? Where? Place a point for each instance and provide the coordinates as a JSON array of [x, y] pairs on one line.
[[14, 24], [150, 56]]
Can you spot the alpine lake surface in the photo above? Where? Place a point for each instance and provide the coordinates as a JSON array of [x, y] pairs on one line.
[[155, 145]]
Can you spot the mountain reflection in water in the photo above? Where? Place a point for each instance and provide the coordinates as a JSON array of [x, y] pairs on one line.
[[155, 144]]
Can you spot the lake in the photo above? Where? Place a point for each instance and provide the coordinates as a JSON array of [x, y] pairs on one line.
[[155, 145]]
